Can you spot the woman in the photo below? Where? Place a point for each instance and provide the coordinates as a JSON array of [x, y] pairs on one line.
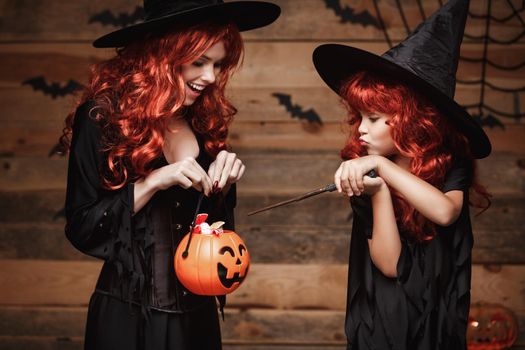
[[148, 137], [410, 254]]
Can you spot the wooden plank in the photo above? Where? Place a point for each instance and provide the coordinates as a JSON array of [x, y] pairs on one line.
[[39, 111], [37, 241], [29, 342], [290, 327], [41, 343], [241, 326], [292, 135], [505, 215], [71, 283], [500, 284], [68, 21], [33, 206], [269, 286], [34, 281], [76, 343], [284, 242], [42, 321], [267, 64], [293, 171]]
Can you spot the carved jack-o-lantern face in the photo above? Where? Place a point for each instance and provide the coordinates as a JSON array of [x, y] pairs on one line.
[[216, 263], [491, 327], [232, 267]]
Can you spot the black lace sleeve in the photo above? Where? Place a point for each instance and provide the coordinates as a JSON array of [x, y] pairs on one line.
[[94, 215]]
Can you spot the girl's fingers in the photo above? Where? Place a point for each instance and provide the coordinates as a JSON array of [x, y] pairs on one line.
[[345, 180], [352, 180], [337, 178], [359, 182]]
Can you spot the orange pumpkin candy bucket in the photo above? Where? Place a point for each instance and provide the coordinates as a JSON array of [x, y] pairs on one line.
[[215, 263]]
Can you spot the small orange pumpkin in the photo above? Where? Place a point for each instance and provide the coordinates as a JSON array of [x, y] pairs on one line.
[[217, 260], [491, 327]]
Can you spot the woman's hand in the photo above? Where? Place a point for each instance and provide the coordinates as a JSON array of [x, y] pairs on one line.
[[185, 173], [225, 170], [351, 178]]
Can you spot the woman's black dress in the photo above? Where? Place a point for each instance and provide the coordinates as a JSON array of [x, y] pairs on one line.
[[138, 302], [427, 305]]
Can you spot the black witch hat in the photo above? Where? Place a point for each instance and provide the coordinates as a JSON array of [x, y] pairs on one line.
[[164, 14], [427, 61]]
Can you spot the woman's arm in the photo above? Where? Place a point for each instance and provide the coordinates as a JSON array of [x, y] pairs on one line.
[[185, 173]]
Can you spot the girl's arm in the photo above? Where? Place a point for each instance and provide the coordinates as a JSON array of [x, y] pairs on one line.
[[385, 244], [441, 208]]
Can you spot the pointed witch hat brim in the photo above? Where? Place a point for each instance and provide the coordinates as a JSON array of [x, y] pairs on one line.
[[419, 62], [247, 15]]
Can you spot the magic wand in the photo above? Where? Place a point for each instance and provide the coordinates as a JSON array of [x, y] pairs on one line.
[[327, 188]]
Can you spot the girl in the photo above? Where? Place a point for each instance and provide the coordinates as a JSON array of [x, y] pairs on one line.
[[148, 136], [410, 255]]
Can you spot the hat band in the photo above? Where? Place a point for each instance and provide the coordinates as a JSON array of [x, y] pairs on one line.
[[167, 8]]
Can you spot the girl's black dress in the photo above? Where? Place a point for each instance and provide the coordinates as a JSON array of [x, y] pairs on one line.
[[138, 303], [427, 305]]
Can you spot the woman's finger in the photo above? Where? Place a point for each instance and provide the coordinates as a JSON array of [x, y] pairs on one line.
[[198, 176], [226, 170], [219, 165], [234, 174]]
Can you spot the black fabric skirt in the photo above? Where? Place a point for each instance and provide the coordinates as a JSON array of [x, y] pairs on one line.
[[113, 324]]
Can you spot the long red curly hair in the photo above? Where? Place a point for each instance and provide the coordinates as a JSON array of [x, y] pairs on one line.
[[419, 131], [139, 90]]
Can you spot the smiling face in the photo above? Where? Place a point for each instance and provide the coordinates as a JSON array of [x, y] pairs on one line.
[[202, 72], [375, 134]]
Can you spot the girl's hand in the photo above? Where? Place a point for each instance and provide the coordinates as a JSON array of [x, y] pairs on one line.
[[351, 178], [185, 173], [225, 170], [373, 185]]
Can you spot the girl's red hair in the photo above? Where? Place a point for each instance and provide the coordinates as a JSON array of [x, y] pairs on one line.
[[139, 90], [419, 132]]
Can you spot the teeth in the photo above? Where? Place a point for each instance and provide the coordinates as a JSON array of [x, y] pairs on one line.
[[196, 87]]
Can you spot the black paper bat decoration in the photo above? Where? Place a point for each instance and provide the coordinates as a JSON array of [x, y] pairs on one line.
[[296, 110], [349, 15], [54, 89], [490, 121], [57, 149], [121, 20]]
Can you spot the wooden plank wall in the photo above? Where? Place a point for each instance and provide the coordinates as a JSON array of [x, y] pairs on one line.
[[295, 295]]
